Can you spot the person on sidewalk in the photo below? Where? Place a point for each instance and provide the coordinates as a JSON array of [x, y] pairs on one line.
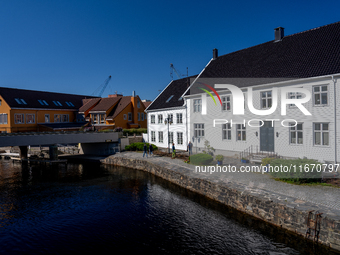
[[190, 148], [173, 150], [150, 149], [145, 149]]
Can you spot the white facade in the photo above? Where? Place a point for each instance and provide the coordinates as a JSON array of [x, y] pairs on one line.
[[158, 131], [314, 137]]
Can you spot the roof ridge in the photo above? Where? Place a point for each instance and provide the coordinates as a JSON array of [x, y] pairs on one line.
[[282, 38]]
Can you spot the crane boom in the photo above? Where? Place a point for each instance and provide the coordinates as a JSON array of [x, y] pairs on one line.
[[102, 87]]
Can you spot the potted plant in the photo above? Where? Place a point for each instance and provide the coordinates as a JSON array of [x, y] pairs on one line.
[[244, 160], [219, 159]]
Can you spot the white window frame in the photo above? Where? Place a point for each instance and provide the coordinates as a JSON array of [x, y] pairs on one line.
[[294, 130], [171, 116], [171, 137], [266, 98], [199, 130], [294, 95], [179, 118], [130, 116], [22, 121], [153, 136], [160, 136], [241, 129], [197, 105], [3, 118], [48, 117], [28, 116], [153, 119], [65, 119], [320, 92], [58, 116], [160, 118], [180, 138], [226, 100], [321, 131], [125, 117], [226, 131]]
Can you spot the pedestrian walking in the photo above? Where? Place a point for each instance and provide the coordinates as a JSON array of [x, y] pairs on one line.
[[145, 149], [190, 148], [173, 150], [150, 149]]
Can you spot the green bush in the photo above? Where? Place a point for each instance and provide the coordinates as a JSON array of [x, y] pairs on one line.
[[201, 159], [137, 131], [139, 147], [296, 170], [219, 157]]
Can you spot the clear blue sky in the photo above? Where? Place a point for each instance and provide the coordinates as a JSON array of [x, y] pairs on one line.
[[73, 46]]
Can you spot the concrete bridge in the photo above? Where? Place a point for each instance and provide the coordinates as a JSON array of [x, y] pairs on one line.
[[98, 143]]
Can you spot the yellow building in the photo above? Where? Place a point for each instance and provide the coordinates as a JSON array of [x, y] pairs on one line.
[[33, 111], [115, 111]]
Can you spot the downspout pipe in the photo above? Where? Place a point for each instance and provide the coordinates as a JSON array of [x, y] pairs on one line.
[[335, 126]]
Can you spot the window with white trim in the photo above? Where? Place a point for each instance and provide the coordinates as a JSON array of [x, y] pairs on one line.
[[3, 118], [179, 138], [294, 95], [30, 118], [179, 117], [65, 118], [226, 131], [130, 116], [197, 105], [296, 133], [153, 119], [160, 136], [57, 118], [153, 136], [125, 117], [199, 130], [160, 118], [171, 137], [171, 118], [266, 99], [47, 118], [240, 132], [19, 118], [226, 103], [321, 134], [320, 95]]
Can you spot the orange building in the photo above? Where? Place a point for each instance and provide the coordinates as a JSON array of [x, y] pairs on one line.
[[28, 110], [115, 111]]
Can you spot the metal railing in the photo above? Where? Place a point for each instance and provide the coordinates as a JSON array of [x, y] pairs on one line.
[[253, 150]]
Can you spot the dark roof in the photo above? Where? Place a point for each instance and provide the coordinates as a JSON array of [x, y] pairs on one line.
[[311, 53], [123, 103], [88, 103], [29, 99], [105, 104], [175, 89]]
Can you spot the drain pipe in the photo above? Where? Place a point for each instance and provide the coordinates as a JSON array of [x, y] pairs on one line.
[[335, 130]]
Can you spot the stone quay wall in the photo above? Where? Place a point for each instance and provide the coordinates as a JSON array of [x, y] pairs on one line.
[[281, 213]]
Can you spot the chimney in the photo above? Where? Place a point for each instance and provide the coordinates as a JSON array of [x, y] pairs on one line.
[[215, 53], [279, 34], [133, 93]]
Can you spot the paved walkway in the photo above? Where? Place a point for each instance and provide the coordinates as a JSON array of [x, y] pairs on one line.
[[323, 197]]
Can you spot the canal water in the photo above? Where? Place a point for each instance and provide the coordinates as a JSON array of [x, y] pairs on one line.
[[98, 209]]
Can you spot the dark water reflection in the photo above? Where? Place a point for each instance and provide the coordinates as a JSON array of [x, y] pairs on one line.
[[103, 209]]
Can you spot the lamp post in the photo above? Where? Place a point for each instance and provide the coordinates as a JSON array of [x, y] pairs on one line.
[[168, 121]]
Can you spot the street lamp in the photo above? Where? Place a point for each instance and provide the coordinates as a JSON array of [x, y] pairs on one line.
[[168, 121]]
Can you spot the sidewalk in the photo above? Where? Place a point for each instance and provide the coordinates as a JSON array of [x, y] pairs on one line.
[[325, 199]]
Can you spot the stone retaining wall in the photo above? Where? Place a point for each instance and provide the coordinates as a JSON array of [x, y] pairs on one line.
[[281, 213]]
